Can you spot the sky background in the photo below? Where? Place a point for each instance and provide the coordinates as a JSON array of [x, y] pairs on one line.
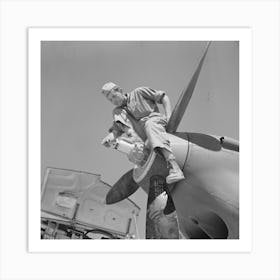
[[76, 117]]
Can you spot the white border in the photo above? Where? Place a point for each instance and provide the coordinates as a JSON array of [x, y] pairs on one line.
[[36, 35]]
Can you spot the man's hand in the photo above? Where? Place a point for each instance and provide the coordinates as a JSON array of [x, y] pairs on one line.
[[108, 140], [167, 118]]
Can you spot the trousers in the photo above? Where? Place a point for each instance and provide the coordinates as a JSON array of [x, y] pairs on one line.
[[154, 126]]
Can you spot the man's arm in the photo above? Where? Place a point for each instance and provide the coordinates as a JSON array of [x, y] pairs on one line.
[[111, 137], [166, 106], [157, 96], [120, 130], [115, 131]]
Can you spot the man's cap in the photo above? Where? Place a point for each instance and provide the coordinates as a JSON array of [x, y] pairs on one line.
[[108, 87]]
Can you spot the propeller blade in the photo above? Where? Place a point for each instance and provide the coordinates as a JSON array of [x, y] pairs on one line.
[[122, 189], [185, 97]]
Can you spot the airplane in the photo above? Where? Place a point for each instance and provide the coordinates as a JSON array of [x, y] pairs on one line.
[[207, 200]]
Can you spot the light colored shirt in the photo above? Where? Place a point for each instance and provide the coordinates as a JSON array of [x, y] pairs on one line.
[[141, 102]]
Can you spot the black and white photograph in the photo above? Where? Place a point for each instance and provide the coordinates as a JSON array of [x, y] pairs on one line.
[[139, 139]]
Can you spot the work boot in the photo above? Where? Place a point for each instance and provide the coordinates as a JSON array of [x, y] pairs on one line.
[[175, 172]]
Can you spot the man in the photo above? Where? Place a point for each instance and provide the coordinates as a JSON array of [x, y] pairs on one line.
[[138, 112]]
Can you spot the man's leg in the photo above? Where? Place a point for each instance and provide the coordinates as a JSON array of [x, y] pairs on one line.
[[157, 136], [175, 172]]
